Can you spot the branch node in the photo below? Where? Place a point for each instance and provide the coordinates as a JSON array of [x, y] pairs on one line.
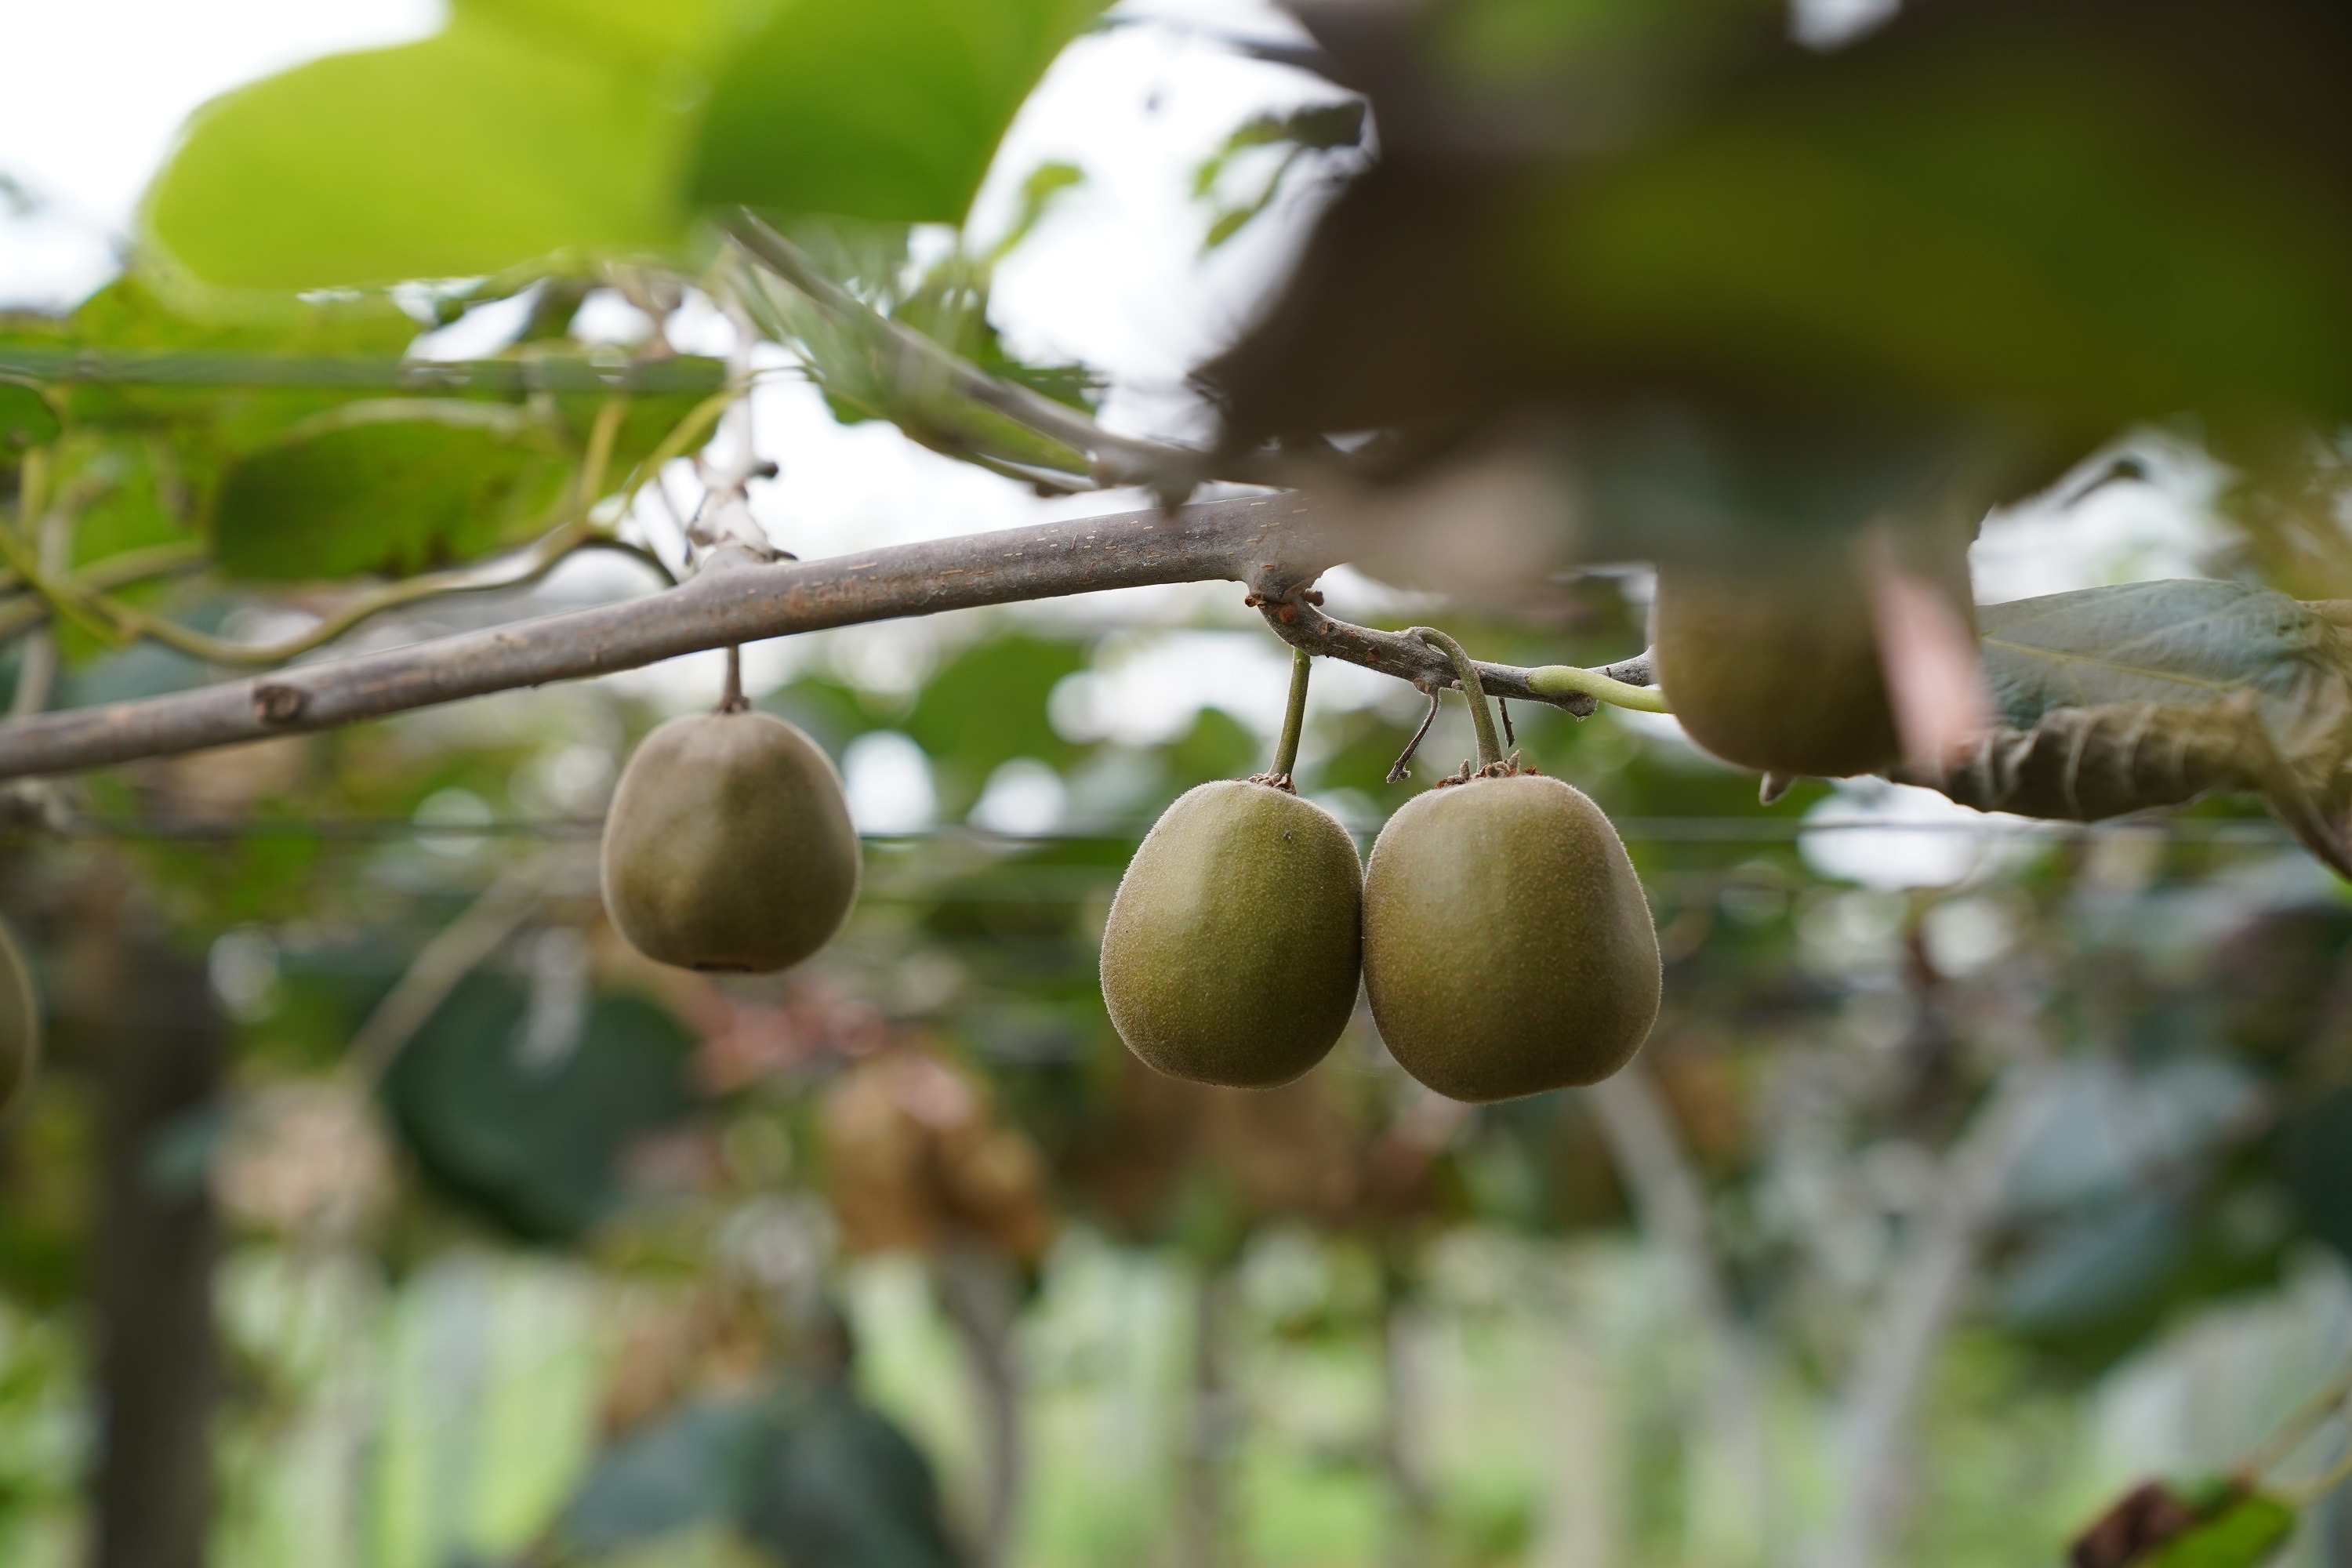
[[275, 703]]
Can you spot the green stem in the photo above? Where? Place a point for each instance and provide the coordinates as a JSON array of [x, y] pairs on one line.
[[1294, 719], [1466, 670], [1561, 679]]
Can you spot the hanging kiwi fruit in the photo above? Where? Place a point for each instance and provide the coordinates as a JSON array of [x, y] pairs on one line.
[[1508, 946], [1775, 666], [20, 1020], [729, 845], [1234, 947]]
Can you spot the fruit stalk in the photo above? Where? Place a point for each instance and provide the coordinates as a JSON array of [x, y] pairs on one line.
[[732, 701], [1294, 719], [1466, 670]]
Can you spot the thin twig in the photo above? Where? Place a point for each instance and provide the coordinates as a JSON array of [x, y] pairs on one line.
[[1403, 767], [438, 966]]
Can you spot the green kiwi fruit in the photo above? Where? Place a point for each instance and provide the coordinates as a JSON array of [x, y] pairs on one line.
[[728, 846], [1777, 668], [1508, 946], [20, 1020], [1235, 942]]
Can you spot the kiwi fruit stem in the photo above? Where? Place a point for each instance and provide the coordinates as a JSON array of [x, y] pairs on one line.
[[731, 700], [1490, 750], [1294, 719]]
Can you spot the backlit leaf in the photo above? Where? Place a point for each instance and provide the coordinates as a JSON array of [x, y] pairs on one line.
[[516, 133], [26, 418], [396, 486], [887, 110]]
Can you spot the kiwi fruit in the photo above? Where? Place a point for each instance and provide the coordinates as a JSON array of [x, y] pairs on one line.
[[728, 846], [20, 1020], [1776, 669], [1508, 946], [1235, 943]]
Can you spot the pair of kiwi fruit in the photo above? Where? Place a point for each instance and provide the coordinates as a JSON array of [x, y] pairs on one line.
[[728, 846], [1500, 932]]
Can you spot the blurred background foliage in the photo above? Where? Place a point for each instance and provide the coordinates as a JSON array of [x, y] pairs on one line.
[[502, 1246]]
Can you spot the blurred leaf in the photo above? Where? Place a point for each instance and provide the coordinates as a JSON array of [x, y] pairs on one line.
[[691, 1468], [886, 110], [2116, 699], [26, 419], [536, 1146], [2317, 1145], [988, 706], [1318, 128], [393, 487], [2058, 219], [837, 1482], [2247, 1533], [2106, 211], [2209, 1524], [1046, 184], [521, 130]]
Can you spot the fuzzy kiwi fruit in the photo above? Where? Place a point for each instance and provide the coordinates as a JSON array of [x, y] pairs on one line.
[[1776, 669], [1508, 946], [728, 846], [20, 1020], [1235, 942]]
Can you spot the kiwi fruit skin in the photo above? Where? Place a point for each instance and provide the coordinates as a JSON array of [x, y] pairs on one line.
[[1776, 669], [20, 1021], [1235, 944], [1508, 946], [729, 845]]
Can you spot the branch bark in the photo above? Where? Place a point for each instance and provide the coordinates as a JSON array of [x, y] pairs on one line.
[[1268, 542]]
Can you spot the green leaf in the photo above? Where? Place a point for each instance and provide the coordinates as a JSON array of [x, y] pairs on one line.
[[2174, 642], [518, 132], [2007, 206], [2116, 699], [691, 1468], [26, 419], [886, 110], [537, 1146], [2246, 1534], [394, 487], [988, 707]]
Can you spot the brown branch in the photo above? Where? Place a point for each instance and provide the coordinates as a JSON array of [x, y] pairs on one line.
[[1302, 625], [1264, 542], [1267, 542]]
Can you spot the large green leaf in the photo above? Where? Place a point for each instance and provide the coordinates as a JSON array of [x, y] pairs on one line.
[[887, 110], [2116, 699], [393, 487], [521, 131]]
